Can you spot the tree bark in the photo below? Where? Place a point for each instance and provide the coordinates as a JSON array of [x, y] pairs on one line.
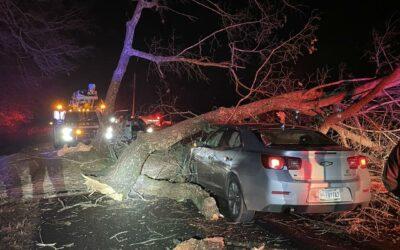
[[123, 62]]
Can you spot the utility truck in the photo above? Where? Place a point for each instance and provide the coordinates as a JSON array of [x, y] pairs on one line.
[[79, 120]]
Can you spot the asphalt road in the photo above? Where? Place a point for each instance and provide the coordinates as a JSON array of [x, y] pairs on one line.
[[38, 173], [46, 195], [139, 224], [96, 222]]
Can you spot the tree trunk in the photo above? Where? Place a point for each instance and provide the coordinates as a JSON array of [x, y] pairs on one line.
[[123, 62], [130, 164]]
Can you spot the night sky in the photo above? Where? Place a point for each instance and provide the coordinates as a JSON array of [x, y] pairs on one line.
[[344, 36]]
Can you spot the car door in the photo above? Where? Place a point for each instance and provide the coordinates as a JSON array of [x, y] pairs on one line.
[[203, 158], [225, 157]]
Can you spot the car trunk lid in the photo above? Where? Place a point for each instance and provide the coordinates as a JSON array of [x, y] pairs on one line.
[[322, 165]]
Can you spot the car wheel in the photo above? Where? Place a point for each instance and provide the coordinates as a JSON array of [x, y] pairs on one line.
[[236, 208]]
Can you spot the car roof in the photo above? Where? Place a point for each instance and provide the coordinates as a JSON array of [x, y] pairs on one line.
[[267, 126]]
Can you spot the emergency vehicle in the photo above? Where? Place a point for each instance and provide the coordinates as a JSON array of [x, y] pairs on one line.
[[79, 120], [123, 126]]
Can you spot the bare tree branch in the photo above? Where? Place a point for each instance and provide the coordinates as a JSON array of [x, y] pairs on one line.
[[36, 34], [249, 34]]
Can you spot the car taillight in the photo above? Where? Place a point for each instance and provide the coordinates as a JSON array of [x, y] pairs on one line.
[[278, 162], [272, 162], [357, 162]]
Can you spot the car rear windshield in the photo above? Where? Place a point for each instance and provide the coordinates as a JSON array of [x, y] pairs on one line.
[[81, 117], [294, 137]]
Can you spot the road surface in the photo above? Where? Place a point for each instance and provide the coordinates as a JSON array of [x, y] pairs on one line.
[[44, 203]]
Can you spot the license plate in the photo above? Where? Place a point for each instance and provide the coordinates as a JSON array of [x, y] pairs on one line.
[[329, 195]]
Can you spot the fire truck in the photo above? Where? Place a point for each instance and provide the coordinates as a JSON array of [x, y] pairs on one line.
[[79, 120]]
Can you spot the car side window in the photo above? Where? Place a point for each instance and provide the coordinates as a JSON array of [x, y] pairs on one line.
[[214, 139], [235, 141], [230, 139]]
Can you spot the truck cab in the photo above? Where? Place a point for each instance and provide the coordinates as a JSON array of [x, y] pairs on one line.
[[77, 126], [79, 121]]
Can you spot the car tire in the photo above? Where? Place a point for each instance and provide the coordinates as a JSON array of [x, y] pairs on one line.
[[236, 208]]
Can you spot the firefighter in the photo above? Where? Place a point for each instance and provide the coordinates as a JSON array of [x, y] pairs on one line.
[[92, 90], [391, 176], [137, 125]]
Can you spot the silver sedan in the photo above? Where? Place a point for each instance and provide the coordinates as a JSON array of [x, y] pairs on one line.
[[256, 168]]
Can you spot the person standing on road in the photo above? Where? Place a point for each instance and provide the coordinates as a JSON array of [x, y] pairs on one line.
[[137, 125], [390, 175]]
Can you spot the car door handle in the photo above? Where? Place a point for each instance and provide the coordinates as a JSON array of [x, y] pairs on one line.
[[227, 158]]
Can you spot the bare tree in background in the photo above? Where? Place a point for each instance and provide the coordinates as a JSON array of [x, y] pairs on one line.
[[41, 36], [249, 35], [38, 40]]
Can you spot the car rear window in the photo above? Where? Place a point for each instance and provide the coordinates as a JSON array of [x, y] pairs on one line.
[[294, 137]]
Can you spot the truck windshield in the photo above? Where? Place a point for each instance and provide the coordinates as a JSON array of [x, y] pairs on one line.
[[81, 117], [294, 137]]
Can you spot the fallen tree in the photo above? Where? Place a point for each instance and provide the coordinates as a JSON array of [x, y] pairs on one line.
[[132, 162]]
